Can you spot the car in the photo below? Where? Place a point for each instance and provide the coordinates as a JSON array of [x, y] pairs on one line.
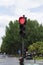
[[29, 56]]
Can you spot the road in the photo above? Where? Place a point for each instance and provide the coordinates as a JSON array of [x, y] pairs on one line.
[[31, 62], [15, 61], [9, 61]]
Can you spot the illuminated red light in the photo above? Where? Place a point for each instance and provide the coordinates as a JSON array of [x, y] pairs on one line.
[[22, 20]]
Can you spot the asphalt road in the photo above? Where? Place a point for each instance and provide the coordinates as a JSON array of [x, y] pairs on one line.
[[31, 62], [9, 61], [15, 61]]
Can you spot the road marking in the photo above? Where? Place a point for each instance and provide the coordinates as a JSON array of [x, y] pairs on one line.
[[2, 60], [35, 64], [32, 64]]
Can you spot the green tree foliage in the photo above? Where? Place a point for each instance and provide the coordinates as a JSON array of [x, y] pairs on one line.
[[11, 39], [12, 42], [34, 31], [37, 47]]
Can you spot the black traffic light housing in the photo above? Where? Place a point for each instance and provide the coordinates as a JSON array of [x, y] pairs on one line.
[[22, 30], [22, 22]]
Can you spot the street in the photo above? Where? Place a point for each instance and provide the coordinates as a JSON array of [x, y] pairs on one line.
[[5, 60], [9, 61], [15, 61]]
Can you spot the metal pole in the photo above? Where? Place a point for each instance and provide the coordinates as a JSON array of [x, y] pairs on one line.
[[34, 58], [22, 47]]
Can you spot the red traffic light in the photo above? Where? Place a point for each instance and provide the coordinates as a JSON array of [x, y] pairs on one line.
[[21, 20]]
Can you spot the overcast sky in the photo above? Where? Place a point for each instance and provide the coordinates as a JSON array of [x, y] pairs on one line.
[[13, 9]]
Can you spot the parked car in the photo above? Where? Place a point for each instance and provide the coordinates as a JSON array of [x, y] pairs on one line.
[[29, 56]]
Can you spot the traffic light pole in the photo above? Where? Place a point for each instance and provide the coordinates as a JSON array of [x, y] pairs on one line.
[[22, 22], [22, 47], [22, 57]]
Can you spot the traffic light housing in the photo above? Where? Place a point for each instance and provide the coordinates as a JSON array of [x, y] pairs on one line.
[[22, 22], [22, 30]]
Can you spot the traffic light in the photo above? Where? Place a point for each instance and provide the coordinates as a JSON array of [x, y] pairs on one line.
[[22, 22], [22, 30]]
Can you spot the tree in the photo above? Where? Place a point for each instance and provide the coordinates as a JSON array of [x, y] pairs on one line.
[[37, 47], [34, 31], [11, 39], [11, 42]]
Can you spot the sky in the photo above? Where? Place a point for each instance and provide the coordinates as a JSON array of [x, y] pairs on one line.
[[13, 9]]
